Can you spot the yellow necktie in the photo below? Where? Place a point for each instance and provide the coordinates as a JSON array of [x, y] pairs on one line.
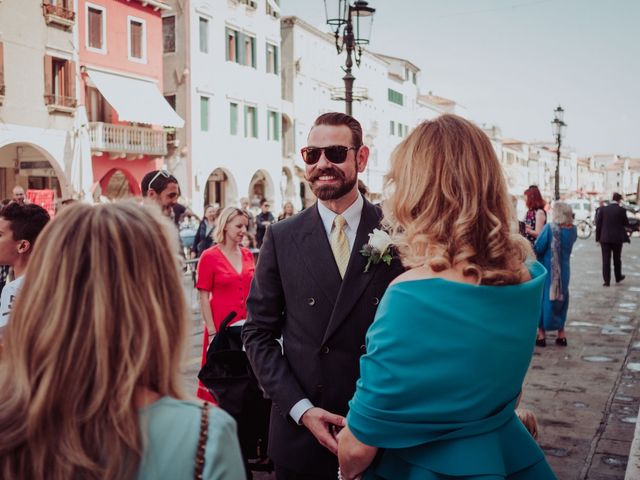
[[340, 244]]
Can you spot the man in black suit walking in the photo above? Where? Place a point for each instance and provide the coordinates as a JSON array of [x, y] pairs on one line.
[[311, 288], [611, 234]]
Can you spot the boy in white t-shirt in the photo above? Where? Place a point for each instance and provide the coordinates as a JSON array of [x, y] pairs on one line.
[[20, 225]]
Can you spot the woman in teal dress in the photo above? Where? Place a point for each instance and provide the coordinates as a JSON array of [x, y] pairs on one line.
[[553, 248], [453, 337]]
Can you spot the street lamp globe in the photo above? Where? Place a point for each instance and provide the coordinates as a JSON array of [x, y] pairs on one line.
[[558, 114], [336, 13], [363, 15]]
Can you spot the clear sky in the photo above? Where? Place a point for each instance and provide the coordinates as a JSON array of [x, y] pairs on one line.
[[511, 62]]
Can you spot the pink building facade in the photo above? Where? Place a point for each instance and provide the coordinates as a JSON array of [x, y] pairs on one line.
[[120, 57]]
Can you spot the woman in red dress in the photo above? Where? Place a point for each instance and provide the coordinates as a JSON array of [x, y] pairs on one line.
[[225, 272]]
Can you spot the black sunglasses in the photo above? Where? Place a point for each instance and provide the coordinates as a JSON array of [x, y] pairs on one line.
[[334, 153]]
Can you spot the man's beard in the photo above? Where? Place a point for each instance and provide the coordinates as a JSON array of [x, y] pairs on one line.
[[331, 192]]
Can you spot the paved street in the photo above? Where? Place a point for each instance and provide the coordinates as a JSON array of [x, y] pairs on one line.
[[586, 396]]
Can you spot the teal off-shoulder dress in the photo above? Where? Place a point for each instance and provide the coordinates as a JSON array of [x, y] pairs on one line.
[[439, 384]]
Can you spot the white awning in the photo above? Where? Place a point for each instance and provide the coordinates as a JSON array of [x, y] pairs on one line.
[[135, 100]]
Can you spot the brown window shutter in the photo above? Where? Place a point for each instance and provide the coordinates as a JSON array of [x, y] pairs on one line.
[[1, 64], [71, 80], [136, 39], [48, 75], [95, 28]]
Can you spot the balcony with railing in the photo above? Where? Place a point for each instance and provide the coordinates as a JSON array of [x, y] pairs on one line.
[[126, 139], [59, 15], [1, 94]]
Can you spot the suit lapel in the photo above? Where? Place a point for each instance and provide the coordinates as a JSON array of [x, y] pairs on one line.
[[355, 280], [315, 253]]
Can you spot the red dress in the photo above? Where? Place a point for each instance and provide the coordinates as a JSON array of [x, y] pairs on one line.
[[229, 290]]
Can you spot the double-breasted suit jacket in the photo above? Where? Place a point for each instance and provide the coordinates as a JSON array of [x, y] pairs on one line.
[[297, 293]]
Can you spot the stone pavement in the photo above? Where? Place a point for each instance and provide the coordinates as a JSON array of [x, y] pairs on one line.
[[586, 396]]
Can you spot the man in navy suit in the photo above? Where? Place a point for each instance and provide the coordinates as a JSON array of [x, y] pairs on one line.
[[611, 234], [310, 288]]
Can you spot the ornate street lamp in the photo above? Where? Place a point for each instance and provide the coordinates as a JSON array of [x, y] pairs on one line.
[[351, 25], [558, 127]]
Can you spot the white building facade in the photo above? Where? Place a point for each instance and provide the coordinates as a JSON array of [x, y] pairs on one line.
[[387, 101], [222, 73]]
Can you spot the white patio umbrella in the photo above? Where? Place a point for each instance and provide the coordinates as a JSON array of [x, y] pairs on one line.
[[81, 176]]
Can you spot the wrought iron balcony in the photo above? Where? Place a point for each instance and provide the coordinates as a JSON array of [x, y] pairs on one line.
[[126, 139], [59, 15]]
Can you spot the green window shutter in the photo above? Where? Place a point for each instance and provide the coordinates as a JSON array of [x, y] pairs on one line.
[[267, 57], [277, 121], [392, 129], [253, 52], [233, 113], [226, 43], [240, 57], [204, 114], [276, 60], [246, 117], [269, 127], [255, 122]]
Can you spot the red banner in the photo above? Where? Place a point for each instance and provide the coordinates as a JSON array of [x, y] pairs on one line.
[[45, 198]]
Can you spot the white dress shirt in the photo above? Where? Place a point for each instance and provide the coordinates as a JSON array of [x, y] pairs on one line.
[[352, 216]]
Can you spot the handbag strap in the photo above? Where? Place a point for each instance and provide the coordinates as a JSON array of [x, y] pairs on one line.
[[202, 442]]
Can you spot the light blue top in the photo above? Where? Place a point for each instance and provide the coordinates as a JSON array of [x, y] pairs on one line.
[[171, 429], [444, 367]]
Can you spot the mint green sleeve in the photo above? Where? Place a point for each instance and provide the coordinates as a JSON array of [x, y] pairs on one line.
[[223, 458]]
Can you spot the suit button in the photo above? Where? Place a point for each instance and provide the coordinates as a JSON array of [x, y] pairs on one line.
[[376, 300], [311, 301], [325, 350], [363, 348]]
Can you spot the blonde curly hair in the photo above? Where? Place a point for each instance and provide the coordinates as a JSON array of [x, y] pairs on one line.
[[448, 203]]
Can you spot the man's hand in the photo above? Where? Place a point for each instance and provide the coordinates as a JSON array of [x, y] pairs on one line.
[[322, 425]]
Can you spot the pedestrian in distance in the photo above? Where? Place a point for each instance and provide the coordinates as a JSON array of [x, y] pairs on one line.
[[611, 234], [161, 187], [205, 232], [18, 195], [225, 272], [20, 226], [536, 216], [245, 205], [263, 220], [287, 211], [454, 335], [90, 378], [316, 290], [553, 248]]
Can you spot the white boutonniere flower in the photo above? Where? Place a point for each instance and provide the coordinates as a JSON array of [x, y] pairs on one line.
[[378, 249]]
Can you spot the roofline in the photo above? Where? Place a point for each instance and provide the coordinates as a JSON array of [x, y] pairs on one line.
[[390, 57]]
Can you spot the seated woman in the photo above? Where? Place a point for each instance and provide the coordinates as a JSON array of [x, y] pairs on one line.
[[90, 383], [453, 336]]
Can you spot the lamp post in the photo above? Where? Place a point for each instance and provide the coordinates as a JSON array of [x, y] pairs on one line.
[[558, 126], [342, 16]]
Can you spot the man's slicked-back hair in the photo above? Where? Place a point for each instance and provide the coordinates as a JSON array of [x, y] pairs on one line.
[[337, 119], [616, 197], [25, 221]]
